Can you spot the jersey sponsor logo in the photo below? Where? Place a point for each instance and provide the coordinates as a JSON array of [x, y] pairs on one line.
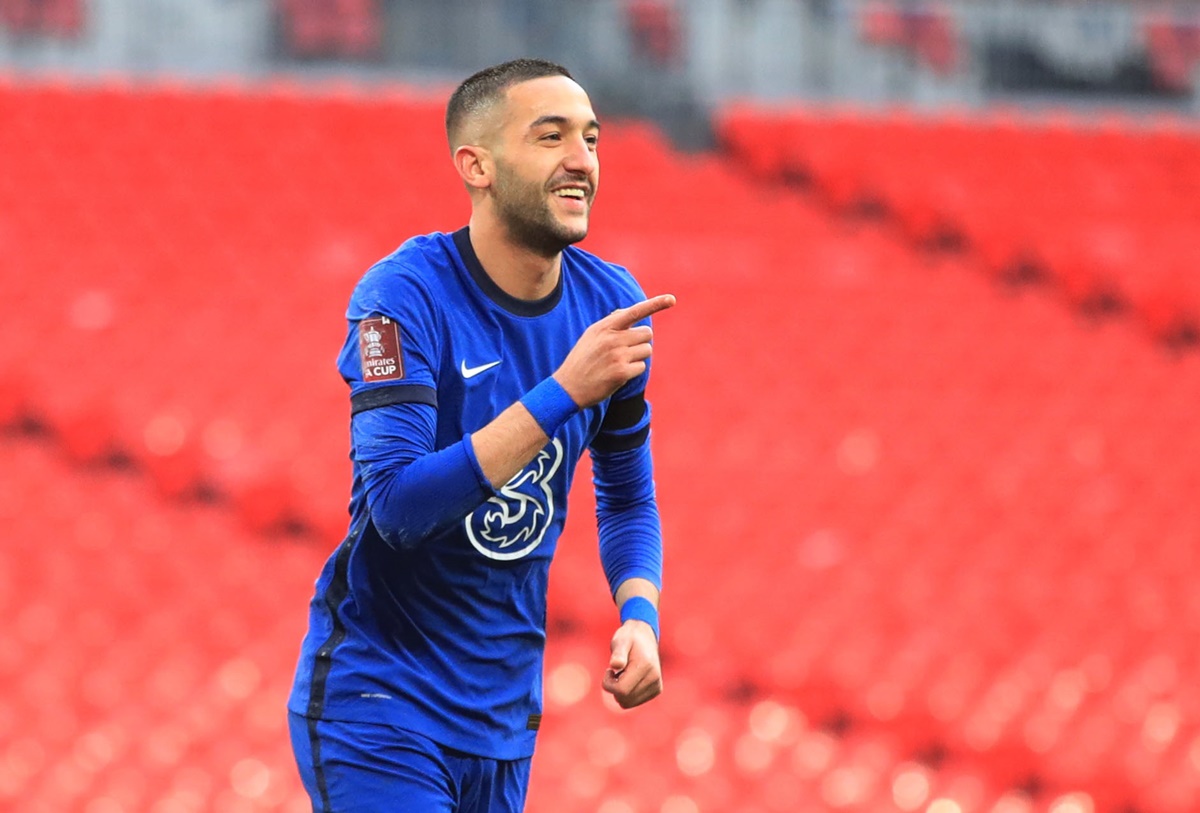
[[513, 523], [379, 349], [471, 372]]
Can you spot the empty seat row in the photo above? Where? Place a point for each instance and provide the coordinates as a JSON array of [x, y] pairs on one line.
[[1104, 208]]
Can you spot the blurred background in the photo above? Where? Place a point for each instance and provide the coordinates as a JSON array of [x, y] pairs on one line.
[[925, 417]]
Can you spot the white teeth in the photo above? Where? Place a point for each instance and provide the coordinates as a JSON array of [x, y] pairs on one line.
[[569, 193]]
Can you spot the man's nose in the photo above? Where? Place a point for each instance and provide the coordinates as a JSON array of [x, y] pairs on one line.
[[581, 157]]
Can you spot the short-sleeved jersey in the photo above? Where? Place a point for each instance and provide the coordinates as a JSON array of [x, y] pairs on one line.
[[445, 637]]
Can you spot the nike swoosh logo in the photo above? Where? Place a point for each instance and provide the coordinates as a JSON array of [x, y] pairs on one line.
[[471, 372]]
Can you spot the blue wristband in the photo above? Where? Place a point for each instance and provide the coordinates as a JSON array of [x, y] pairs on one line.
[[550, 405], [642, 609]]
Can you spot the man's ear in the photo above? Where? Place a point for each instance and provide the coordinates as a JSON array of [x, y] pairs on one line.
[[474, 165]]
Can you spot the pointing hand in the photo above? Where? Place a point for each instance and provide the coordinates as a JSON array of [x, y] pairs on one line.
[[610, 352]]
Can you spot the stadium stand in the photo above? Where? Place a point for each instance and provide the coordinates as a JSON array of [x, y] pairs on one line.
[[930, 541], [928, 32], [947, 38], [1104, 209], [330, 28], [59, 19], [142, 661]]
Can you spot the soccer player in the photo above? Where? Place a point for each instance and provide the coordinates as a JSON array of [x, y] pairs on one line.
[[481, 364]]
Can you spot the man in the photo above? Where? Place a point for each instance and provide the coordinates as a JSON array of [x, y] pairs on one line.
[[481, 364]]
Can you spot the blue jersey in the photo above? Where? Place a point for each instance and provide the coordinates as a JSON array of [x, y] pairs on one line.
[[430, 615]]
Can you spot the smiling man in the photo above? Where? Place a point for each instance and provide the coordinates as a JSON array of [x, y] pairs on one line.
[[481, 364]]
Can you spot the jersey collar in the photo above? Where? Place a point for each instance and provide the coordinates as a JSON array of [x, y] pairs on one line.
[[510, 303]]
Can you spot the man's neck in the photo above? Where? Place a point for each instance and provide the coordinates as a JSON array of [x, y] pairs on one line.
[[518, 271]]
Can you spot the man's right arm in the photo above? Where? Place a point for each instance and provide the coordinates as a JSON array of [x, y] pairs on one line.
[[610, 352], [414, 492]]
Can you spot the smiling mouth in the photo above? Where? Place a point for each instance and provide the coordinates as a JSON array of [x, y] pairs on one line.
[[571, 194]]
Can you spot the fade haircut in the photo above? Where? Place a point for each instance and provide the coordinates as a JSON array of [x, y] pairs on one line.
[[481, 90]]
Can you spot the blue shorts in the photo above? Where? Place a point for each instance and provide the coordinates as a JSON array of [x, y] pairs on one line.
[[372, 768]]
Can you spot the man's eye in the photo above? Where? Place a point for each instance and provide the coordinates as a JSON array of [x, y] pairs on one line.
[[552, 137]]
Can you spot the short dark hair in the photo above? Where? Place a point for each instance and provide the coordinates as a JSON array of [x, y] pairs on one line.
[[481, 89]]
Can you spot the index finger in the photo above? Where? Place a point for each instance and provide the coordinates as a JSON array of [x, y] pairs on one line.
[[628, 317]]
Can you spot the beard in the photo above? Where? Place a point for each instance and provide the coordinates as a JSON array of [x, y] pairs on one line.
[[524, 209]]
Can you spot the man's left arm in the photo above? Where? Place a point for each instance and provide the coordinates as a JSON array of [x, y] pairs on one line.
[[634, 673], [630, 547]]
